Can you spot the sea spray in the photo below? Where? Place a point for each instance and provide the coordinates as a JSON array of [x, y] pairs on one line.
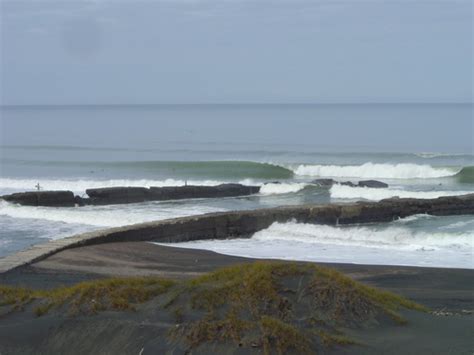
[[281, 188], [104, 216], [381, 171], [373, 194], [417, 241]]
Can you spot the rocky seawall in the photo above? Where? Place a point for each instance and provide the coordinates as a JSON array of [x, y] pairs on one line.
[[234, 224], [123, 195], [42, 198]]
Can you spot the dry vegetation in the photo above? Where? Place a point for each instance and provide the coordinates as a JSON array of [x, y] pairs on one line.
[[272, 306], [280, 307], [87, 297]]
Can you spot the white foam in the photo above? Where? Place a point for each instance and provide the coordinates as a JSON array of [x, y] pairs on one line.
[[104, 216], [374, 194], [393, 244], [282, 188], [27, 231], [381, 171], [392, 237], [459, 225], [431, 155], [414, 218]]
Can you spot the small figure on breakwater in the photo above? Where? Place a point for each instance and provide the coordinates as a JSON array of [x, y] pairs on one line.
[[38, 186]]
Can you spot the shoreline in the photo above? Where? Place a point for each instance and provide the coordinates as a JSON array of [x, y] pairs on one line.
[[128, 253], [440, 287], [235, 224]]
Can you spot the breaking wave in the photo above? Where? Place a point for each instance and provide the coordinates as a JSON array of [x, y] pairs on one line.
[[248, 173], [371, 170], [283, 188], [79, 186], [367, 193], [413, 241], [222, 170], [466, 175], [103, 216], [393, 236]]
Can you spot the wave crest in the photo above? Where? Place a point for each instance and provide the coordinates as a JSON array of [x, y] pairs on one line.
[[103, 216], [393, 236], [367, 193], [381, 171], [282, 188], [466, 175], [388, 244]]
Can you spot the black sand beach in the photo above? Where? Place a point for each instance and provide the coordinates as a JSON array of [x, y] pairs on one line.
[[447, 329], [114, 291], [437, 288]]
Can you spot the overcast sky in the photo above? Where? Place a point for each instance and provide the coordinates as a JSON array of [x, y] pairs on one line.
[[222, 51]]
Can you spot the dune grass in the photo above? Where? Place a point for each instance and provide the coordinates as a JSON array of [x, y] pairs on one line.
[[282, 307], [88, 297], [277, 307]]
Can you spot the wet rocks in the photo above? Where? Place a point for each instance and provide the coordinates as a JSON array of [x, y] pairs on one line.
[[42, 198], [328, 183], [123, 195], [79, 201], [138, 194], [348, 183], [117, 195], [364, 183], [324, 182], [372, 183]]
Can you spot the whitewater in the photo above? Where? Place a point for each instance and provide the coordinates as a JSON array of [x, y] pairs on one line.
[[282, 183], [382, 171], [413, 243], [74, 148]]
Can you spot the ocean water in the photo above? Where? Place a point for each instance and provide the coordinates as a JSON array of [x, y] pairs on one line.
[[422, 151]]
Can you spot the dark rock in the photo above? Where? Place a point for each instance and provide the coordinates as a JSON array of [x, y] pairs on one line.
[[236, 224], [185, 192], [23, 198], [323, 182], [237, 189], [372, 183], [42, 198], [365, 183], [272, 182], [348, 183], [117, 195], [79, 201], [121, 195]]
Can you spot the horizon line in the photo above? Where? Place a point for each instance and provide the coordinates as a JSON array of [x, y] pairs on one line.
[[240, 104]]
